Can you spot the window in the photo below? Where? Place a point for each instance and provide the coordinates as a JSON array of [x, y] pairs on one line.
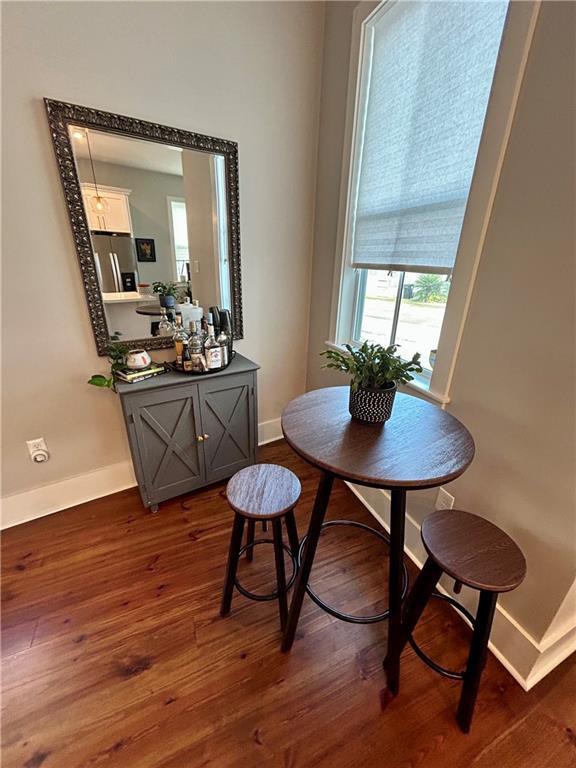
[[404, 308], [179, 225], [425, 78], [221, 236]]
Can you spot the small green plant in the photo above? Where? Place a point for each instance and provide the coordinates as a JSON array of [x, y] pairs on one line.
[[165, 289], [116, 352], [373, 366], [430, 288]]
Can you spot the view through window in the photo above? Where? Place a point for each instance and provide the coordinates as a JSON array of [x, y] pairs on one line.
[[404, 308], [180, 233]]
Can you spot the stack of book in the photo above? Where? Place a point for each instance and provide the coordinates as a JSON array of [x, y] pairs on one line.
[[131, 376]]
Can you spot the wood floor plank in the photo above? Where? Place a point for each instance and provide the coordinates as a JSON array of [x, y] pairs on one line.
[[114, 653]]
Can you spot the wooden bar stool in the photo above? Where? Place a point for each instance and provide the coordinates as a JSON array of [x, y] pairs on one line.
[[262, 492], [476, 553]]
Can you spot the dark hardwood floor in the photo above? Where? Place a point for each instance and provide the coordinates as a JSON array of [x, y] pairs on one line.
[[114, 654]]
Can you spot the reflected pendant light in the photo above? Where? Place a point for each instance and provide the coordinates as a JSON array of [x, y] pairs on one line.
[[98, 203]]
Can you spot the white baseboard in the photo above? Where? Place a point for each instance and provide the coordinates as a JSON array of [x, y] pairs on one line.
[[28, 505], [269, 431], [552, 656], [527, 659], [37, 502]]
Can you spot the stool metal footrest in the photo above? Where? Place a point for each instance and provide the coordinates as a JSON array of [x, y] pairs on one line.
[[425, 658], [330, 609], [271, 595]]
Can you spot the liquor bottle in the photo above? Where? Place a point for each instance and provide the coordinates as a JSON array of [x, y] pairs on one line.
[[212, 349], [223, 341], [186, 357], [215, 311], [204, 328], [165, 327], [226, 327], [179, 337], [196, 348]]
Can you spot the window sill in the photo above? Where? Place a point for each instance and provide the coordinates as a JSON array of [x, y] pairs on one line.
[[422, 386], [420, 383]]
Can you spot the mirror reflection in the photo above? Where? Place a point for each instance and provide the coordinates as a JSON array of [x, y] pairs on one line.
[[157, 216]]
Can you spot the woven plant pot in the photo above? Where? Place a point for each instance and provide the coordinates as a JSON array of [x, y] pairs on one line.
[[168, 302], [372, 406]]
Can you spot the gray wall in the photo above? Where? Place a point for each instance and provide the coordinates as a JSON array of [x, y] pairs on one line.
[[148, 208], [514, 382], [244, 71]]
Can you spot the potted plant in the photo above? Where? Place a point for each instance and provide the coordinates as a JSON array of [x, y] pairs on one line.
[[166, 293], [376, 372], [117, 352]]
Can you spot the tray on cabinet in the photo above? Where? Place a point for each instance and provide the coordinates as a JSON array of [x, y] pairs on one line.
[[172, 367]]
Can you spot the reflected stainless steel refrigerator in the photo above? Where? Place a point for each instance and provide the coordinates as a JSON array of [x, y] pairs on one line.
[[116, 264]]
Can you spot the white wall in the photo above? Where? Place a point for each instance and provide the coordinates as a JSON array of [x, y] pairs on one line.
[[244, 71], [514, 383], [337, 41]]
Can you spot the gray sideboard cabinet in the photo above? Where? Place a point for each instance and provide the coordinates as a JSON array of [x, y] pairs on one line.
[[188, 431]]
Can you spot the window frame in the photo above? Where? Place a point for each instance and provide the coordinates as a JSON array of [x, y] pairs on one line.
[[170, 199], [510, 66]]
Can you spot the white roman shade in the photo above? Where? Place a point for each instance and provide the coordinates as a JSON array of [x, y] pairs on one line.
[[428, 72]]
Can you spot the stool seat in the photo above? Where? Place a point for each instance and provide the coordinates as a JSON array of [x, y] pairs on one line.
[[473, 550], [263, 491]]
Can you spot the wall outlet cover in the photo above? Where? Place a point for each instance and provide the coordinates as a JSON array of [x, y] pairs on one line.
[[38, 450]]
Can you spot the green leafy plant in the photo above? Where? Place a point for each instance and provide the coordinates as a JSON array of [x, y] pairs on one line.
[[165, 289], [373, 366], [429, 288], [116, 352]]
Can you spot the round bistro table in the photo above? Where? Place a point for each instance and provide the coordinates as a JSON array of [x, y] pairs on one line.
[[420, 446]]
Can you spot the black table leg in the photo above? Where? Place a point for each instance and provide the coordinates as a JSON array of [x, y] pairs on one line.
[[280, 575], [314, 530], [397, 525], [292, 532], [417, 600]]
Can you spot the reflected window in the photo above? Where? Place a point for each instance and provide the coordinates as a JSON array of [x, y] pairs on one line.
[[179, 226], [222, 224]]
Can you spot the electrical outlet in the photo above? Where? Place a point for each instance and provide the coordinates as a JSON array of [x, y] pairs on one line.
[[38, 450], [444, 500]]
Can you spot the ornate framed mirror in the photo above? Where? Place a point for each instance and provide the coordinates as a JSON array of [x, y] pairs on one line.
[[155, 219]]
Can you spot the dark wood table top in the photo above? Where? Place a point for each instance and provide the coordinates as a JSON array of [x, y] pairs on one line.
[[153, 310], [421, 446]]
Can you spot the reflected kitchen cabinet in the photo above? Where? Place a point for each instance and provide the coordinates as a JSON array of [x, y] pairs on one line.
[[107, 208]]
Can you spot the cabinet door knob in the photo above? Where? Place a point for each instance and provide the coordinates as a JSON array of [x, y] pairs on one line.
[[206, 436], [199, 438]]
